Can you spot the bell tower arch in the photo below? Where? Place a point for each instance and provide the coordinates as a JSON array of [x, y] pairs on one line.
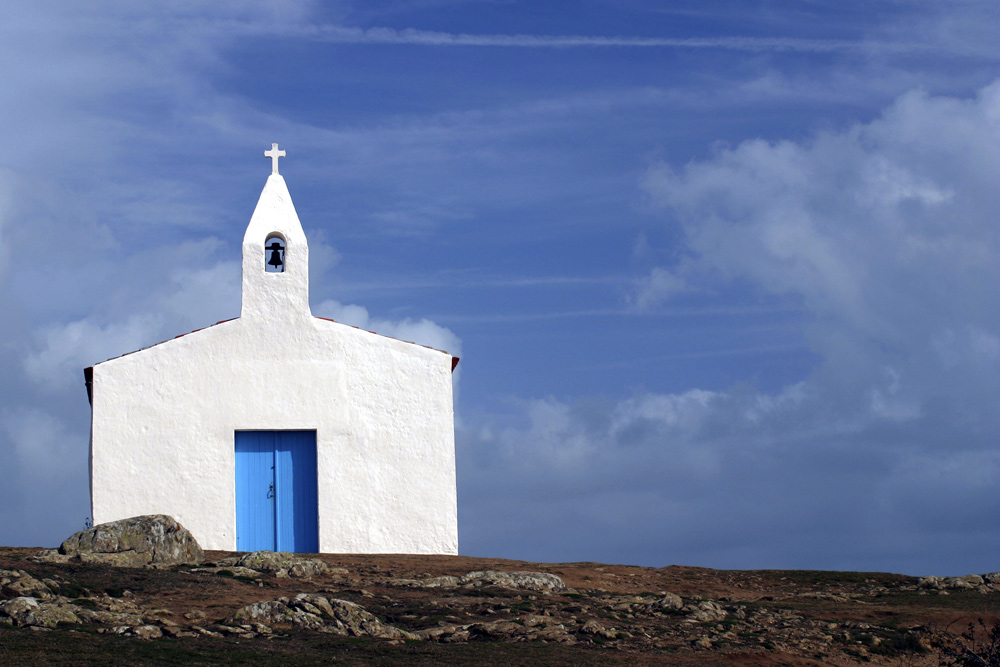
[[274, 253]]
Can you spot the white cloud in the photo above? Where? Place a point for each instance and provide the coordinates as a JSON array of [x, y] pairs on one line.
[[886, 404], [201, 296], [658, 287], [685, 412], [67, 349], [723, 479], [886, 231], [422, 331], [170, 291]]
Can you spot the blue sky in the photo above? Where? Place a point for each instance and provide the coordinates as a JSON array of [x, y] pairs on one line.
[[722, 275]]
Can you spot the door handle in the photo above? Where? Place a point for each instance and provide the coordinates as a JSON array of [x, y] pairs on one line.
[[270, 491]]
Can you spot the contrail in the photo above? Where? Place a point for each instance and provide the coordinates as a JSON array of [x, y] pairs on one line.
[[341, 34]]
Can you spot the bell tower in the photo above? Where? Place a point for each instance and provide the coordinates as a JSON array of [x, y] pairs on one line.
[[275, 254]]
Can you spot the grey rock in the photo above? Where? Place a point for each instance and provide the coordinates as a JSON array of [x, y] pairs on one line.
[[18, 609], [593, 627], [822, 595], [954, 583], [307, 569], [457, 637], [968, 581], [705, 612], [282, 564], [534, 620], [498, 629], [442, 632], [277, 612], [178, 633], [118, 605], [50, 556], [234, 570], [543, 582], [147, 632], [358, 620], [430, 582], [139, 541], [18, 583], [261, 629], [669, 602], [246, 631], [554, 633], [316, 612], [29, 612], [111, 618]]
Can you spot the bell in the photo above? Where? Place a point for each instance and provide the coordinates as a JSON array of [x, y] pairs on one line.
[[275, 259]]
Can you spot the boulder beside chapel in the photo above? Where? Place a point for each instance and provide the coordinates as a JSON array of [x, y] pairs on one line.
[[278, 429]]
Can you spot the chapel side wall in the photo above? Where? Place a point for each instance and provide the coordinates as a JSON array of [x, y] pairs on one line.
[[161, 439], [394, 472]]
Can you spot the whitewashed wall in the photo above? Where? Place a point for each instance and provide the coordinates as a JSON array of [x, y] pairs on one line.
[[162, 438]]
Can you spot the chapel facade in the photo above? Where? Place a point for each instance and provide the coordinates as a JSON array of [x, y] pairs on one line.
[[280, 430]]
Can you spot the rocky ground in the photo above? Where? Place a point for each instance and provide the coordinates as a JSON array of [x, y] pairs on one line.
[[267, 609]]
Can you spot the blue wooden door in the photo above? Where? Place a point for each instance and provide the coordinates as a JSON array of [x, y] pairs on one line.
[[276, 491], [297, 499], [255, 493]]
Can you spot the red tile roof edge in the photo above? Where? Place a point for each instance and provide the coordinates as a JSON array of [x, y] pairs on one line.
[[90, 369]]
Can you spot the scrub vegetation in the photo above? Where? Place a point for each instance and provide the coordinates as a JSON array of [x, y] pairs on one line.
[[453, 610]]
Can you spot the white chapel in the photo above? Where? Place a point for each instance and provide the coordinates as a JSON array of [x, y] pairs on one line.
[[280, 430]]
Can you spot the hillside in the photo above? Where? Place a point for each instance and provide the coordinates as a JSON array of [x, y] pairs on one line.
[[431, 611]]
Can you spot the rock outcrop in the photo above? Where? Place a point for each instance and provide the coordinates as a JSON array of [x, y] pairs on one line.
[[29, 612], [316, 612], [984, 583], [824, 618], [543, 582], [155, 539], [278, 563], [668, 602], [18, 583]]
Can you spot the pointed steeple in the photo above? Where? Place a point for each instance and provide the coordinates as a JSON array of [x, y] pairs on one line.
[[275, 254]]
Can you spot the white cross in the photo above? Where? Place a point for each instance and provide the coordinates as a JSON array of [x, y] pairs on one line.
[[274, 154]]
